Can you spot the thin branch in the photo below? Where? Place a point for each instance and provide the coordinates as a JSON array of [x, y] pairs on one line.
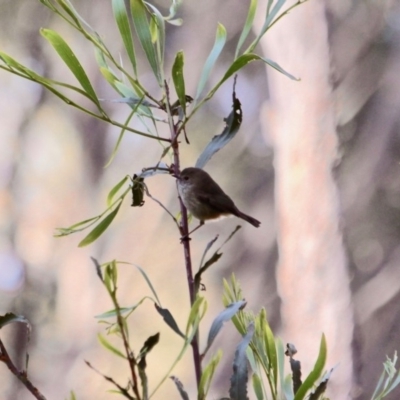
[[160, 204], [184, 230], [128, 351], [21, 375], [109, 379]]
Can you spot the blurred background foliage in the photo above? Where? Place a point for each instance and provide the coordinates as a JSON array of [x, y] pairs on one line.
[[52, 174]]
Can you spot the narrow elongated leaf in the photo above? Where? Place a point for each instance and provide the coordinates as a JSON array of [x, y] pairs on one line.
[[27, 73], [241, 62], [121, 17], [257, 386], [107, 345], [207, 375], [142, 27], [179, 82], [147, 279], [270, 15], [159, 28], [219, 44], [271, 348], [180, 388], [169, 319], [120, 137], [320, 389], [238, 389], [232, 126], [247, 25], [315, 373], [173, 9], [115, 190], [221, 318], [196, 313], [100, 228], [70, 59]]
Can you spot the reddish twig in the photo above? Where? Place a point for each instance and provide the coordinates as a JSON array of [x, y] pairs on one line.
[[21, 375], [184, 230]]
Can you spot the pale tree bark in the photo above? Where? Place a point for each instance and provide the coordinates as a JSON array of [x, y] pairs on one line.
[[299, 119]]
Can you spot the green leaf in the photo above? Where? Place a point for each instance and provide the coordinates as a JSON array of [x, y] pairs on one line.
[[21, 70], [267, 23], [71, 61], [270, 347], [100, 228], [122, 310], [219, 44], [241, 62], [148, 281], [207, 375], [179, 82], [257, 387], [107, 345], [233, 123], [247, 25], [120, 137], [115, 190], [315, 373], [196, 314], [121, 17], [142, 27], [159, 35]]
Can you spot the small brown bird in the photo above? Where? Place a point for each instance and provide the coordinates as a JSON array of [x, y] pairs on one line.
[[204, 199]]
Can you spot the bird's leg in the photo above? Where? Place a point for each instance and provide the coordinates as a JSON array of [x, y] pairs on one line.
[[186, 237]]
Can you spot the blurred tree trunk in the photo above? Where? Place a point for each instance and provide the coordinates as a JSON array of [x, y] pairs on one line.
[[312, 275]]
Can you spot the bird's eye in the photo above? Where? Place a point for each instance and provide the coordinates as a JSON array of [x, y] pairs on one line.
[[185, 178]]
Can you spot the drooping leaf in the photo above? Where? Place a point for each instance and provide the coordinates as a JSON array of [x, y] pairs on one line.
[[241, 62], [238, 389], [232, 126], [121, 17], [99, 228], [221, 318], [169, 319], [180, 388], [72, 62]]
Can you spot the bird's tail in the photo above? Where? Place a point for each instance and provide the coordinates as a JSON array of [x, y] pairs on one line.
[[249, 219]]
